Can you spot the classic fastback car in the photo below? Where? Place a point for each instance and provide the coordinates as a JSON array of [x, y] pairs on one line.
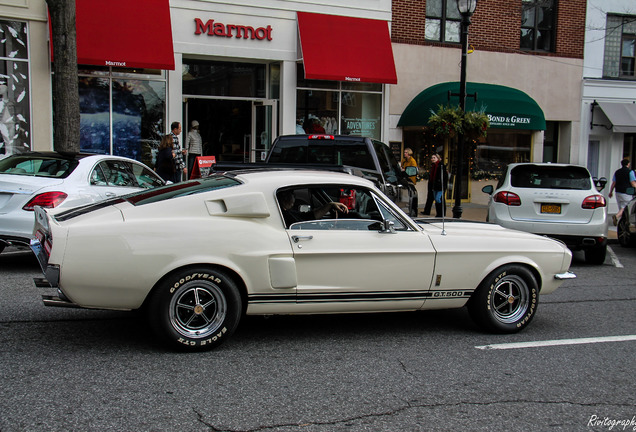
[[199, 255]]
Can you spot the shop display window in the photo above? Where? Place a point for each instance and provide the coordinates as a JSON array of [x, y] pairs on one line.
[[213, 78], [338, 108], [15, 109], [361, 114], [122, 115]]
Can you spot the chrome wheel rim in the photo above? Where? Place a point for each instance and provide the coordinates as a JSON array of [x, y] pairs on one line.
[[623, 232], [198, 309], [509, 299]]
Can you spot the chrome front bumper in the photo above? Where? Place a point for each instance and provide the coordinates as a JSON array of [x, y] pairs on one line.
[[565, 276]]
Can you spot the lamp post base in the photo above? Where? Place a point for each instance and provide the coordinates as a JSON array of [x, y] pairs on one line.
[[457, 212]]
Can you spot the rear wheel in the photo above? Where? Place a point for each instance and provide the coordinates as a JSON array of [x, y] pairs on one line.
[[596, 255], [195, 310], [625, 237], [506, 301]]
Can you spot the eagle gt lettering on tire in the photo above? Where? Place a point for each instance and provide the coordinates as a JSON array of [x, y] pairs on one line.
[[506, 300], [195, 309]]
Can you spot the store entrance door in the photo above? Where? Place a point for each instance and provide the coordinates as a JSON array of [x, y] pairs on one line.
[[231, 129], [264, 128]]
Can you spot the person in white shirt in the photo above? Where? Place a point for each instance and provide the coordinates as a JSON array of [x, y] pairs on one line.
[[194, 145]]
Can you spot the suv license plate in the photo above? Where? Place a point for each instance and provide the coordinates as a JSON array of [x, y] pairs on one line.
[[551, 208]]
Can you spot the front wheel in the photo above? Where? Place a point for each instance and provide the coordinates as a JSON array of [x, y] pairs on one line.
[[195, 310], [506, 300]]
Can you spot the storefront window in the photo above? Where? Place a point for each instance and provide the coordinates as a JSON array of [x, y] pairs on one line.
[[342, 108], [210, 78], [317, 112], [15, 111], [138, 118], [499, 150], [122, 116], [94, 99], [361, 114]]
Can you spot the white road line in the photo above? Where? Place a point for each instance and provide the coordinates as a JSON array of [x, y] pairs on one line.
[[614, 258], [537, 344]]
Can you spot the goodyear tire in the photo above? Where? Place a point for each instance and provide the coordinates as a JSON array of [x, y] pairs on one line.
[[195, 310], [506, 300]]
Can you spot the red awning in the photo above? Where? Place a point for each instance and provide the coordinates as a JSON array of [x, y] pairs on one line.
[[124, 33], [346, 49]]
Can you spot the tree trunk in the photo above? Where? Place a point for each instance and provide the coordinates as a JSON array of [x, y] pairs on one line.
[[66, 114]]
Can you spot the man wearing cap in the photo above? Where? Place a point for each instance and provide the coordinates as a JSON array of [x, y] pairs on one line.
[[194, 145]]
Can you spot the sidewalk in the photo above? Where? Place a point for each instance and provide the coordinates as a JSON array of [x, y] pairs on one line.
[[478, 212]]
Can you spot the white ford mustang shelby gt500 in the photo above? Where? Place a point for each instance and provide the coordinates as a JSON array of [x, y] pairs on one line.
[[198, 255]]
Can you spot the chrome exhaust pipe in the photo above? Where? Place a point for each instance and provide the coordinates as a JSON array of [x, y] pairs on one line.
[[56, 301]]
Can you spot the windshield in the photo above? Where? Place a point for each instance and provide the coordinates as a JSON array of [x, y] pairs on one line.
[[38, 166]]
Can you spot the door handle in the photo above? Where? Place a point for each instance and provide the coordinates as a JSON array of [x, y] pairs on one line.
[[297, 238], [110, 194]]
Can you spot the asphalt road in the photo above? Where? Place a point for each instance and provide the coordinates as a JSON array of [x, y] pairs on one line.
[[77, 370]]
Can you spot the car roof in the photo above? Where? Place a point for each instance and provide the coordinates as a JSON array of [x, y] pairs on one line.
[[54, 154], [512, 165], [283, 177]]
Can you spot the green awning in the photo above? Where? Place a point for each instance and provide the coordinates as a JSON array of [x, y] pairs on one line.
[[506, 107]]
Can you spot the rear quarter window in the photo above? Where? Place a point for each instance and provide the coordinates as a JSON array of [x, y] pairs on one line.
[[39, 166], [550, 177]]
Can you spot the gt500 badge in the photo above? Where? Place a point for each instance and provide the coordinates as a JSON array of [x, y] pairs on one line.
[[440, 294]]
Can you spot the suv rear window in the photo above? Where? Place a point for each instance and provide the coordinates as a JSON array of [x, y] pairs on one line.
[[550, 177], [303, 150]]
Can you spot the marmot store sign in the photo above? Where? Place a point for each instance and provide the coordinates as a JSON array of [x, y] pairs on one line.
[[213, 28], [510, 121]]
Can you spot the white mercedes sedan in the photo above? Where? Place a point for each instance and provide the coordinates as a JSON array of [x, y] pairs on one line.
[[198, 255], [51, 179]]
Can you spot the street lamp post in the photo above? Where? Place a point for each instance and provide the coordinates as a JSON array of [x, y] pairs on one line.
[[466, 8]]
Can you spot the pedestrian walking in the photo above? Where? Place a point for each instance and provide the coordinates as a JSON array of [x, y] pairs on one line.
[[624, 181], [179, 153]]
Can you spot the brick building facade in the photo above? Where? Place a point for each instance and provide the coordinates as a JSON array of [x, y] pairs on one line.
[[549, 73]]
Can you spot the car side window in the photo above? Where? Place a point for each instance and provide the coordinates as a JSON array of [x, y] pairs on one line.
[[314, 208], [118, 173], [97, 176], [145, 178]]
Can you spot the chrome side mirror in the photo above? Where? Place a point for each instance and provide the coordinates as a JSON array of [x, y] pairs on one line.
[[388, 227]]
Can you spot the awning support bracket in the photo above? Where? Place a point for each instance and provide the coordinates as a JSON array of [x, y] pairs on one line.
[[592, 124]]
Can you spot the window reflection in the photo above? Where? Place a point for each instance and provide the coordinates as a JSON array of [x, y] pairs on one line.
[[94, 102], [138, 112], [130, 112]]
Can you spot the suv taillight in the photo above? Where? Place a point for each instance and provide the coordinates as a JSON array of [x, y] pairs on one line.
[[594, 201], [45, 200], [508, 198]]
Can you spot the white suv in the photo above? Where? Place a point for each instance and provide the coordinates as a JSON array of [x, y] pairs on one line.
[[558, 200]]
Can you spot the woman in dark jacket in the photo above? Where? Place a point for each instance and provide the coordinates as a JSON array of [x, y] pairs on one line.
[[164, 165], [437, 182]]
